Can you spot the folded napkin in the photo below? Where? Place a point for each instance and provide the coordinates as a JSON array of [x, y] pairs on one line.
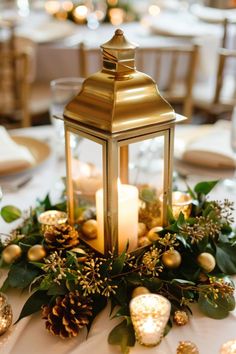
[[13, 157], [208, 146]]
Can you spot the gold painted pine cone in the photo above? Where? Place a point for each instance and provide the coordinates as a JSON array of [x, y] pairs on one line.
[[181, 318], [187, 347], [68, 316], [61, 237]]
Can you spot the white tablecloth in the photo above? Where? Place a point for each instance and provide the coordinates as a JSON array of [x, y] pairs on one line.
[[29, 335]]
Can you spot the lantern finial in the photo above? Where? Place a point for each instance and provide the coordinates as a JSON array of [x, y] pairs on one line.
[[118, 54]]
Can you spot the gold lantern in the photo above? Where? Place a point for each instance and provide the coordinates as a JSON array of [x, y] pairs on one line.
[[124, 158]]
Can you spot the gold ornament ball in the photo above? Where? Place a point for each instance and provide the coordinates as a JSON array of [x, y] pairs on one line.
[[206, 261], [171, 259], [36, 253], [228, 347], [5, 318], [180, 318], [11, 253], [142, 229], [89, 229], [153, 233], [140, 290], [187, 347], [82, 254]]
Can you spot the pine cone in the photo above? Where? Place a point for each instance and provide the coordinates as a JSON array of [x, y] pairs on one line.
[[68, 316], [61, 237]]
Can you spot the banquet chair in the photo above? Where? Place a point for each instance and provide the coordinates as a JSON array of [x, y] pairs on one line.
[[218, 97], [38, 95], [14, 89], [86, 57], [175, 70]]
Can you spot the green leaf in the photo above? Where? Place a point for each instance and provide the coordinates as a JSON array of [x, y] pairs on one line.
[[56, 290], [122, 312], [21, 275], [122, 335], [153, 284], [34, 304], [180, 220], [99, 303], [118, 263], [226, 257], [205, 187], [5, 286], [46, 202], [217, 309], [182, 281], [191, 192], [10, 213]]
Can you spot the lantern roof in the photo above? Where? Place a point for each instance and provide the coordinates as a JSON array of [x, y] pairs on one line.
[[119, 98]]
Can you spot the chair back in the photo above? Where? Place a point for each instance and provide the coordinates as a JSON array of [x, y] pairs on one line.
[[15, 74], [224, 78], [14, 88], [175, 69]]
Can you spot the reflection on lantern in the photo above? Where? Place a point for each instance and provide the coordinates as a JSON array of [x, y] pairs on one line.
[[149, 315], [116, 111]]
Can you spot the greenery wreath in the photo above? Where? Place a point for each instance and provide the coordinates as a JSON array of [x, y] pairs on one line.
[[188, 261]]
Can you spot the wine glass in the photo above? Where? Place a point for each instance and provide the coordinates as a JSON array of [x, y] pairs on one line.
[[62, 91], [230, 183]]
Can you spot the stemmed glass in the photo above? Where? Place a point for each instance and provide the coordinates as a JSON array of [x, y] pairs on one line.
[[62, 91], [230, 183]]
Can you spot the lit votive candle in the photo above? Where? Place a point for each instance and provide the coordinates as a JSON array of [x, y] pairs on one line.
[[52, 218], [149, 315], [181, 202], [127, 217], [228, 347]]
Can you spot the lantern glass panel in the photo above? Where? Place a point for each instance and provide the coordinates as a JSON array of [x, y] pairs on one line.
[[146, 175], [87, 180]]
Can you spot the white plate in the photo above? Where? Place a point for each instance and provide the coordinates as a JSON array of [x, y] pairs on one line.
[[39, 149]]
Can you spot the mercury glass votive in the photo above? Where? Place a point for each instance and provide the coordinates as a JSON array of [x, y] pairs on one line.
[[52, 218], [228, 347], [181, 202], [149, 315]]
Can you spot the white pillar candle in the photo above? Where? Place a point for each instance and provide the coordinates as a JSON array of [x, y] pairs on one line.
[[127, 217], [149, 315]]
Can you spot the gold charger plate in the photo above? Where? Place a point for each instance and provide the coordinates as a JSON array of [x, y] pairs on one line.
[[39, 149]]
